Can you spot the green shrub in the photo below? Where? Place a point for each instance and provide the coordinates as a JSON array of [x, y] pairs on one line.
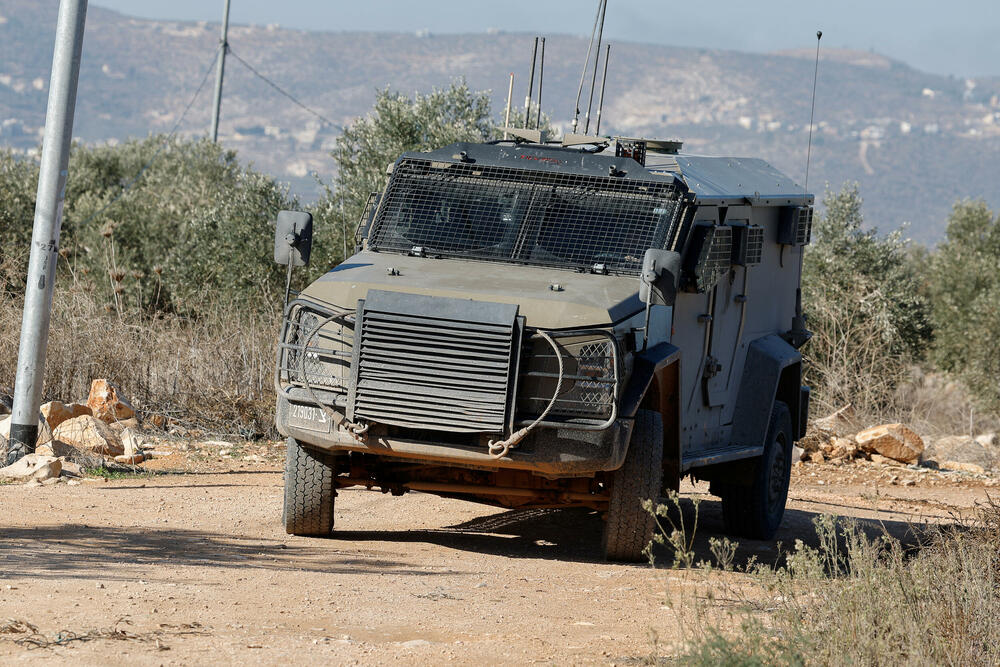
[[195, 225], [965, 289], [861, 296], [18, 182]]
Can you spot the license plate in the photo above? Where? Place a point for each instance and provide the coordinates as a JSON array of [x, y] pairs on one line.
[[309, 417]]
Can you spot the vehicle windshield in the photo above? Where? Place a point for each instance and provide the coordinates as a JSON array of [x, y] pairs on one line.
[[523, 216]]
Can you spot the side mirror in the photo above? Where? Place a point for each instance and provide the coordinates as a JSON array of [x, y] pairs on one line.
[[293, 238], [661, 270]]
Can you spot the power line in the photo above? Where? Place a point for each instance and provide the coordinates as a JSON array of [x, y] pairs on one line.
[[166, 142], [284, 92]]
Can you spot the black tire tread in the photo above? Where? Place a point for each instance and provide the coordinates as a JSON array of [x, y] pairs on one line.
[[309, 491], [744, 506], [629, 528]]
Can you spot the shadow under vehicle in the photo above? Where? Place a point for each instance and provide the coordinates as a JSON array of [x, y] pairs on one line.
[[537, 325]]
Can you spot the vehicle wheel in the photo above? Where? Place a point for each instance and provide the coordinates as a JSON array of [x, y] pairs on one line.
[[755, 511], [309, 491], [629, 527]]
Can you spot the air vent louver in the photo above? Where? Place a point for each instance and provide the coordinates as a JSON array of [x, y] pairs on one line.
[[434, 363]]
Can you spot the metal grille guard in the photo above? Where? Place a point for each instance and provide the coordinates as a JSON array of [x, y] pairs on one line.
[[576, 424], [286, 373]]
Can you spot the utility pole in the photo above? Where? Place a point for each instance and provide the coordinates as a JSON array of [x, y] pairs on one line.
[[223, 48], [45, 230]]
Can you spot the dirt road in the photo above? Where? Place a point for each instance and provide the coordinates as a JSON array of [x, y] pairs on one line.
[[202, 572]]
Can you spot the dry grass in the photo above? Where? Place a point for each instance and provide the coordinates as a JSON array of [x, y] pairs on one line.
[[215, 371], [847, 363], [856, 599]]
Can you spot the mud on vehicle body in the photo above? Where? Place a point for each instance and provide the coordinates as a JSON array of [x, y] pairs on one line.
[[538, 325]]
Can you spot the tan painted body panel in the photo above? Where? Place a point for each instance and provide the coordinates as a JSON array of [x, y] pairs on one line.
[[584, 300]]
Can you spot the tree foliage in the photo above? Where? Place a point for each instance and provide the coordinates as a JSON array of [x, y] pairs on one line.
[[965, 286], [194, 226], [18, 183], [862, 300]]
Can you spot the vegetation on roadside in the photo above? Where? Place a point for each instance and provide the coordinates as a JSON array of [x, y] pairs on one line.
[[858, 597]]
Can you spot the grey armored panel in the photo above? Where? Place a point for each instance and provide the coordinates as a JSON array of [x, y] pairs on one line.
[[732, 181], [766, 358]]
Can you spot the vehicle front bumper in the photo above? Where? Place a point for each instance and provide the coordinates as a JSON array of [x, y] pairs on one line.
[[547, 451]]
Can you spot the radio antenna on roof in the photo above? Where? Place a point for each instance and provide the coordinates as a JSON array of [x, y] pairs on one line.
[[531, 85], [541, 74], [586, 63], [597, 58], [604, 82], [812, 110]]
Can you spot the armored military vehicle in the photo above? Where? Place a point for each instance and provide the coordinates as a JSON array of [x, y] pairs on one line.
[[538, 324]]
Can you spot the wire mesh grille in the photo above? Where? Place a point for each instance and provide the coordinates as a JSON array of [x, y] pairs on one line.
[[747, 244], [589, 383], [523, 216], [755, 244], [796, 226], [366, 217], [324, 359], [803, 228], [712, 255]]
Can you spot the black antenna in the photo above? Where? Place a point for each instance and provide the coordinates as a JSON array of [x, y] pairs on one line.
[[541, 74], [604, 82], [597, 57], [812, 110], [531, 85], [586, 64]]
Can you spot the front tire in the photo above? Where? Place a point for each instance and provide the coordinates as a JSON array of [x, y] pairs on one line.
[[756, 510], [629, 527], [309, 491]]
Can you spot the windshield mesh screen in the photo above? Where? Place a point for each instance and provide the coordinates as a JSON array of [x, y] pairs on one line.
[[523, 216]]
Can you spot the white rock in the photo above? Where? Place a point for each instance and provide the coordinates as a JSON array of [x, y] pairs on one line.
[[33, 467], [90, 434], [131, 441]]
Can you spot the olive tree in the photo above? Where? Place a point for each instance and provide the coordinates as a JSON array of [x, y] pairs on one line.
[[862, 300], [965, 289]]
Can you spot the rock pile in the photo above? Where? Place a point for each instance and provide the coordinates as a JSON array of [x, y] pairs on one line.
[[78, 434], [833, 438]]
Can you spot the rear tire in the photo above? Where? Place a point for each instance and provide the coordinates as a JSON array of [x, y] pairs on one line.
[[755, 511], [629, 527], [309, 491]]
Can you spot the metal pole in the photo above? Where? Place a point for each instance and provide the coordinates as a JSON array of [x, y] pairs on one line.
[[45, 231], [593, 78], [531, 85], [541, 74], [223, 47], [506, 115], [604, 82]]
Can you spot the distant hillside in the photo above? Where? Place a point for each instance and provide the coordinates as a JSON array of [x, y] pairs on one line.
[[915, 141]]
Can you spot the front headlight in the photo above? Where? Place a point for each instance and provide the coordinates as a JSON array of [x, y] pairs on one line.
[[589, 377]]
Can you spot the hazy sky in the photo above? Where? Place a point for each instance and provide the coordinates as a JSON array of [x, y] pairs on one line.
[[959, 37]]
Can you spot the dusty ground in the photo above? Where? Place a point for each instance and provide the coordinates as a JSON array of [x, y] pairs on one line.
[[193, 568]]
